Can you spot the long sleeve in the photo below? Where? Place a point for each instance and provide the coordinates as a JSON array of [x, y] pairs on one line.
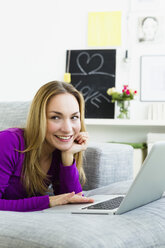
[[25, 205], [69, 179], [12, 193]]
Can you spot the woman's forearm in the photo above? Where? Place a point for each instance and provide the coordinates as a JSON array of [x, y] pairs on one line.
[[26, 204]]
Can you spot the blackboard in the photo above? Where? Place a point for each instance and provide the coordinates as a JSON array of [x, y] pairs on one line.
[[92, 73]]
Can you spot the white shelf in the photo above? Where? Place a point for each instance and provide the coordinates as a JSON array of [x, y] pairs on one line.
[[117, 122]]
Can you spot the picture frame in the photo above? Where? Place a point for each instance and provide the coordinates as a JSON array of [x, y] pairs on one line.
[[150, 29], [152, 78]]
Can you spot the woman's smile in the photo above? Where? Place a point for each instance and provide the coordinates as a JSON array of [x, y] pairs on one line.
[[64, 138]]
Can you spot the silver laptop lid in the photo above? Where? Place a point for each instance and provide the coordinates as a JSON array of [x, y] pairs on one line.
[[149, 184]]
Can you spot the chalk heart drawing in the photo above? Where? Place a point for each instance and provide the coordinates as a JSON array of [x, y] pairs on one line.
[[89, 67]]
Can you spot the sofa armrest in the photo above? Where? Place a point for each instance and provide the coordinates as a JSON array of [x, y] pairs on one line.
[[107, 163]]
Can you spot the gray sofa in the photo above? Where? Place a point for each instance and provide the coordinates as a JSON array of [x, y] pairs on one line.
[[109, 170]]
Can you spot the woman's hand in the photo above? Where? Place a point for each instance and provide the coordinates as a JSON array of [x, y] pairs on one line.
[[68, 198], [79, 144]]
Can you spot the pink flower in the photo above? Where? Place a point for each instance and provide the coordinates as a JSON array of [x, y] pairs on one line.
[[125, 87], [127, 92], [135, 92]]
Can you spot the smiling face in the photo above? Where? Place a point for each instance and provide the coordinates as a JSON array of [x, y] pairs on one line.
[[63, 121]]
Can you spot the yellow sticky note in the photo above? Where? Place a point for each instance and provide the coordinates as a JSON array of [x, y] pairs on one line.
[[67, 77], [104, 28]]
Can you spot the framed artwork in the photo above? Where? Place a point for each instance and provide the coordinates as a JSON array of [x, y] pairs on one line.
[[150, 29], [152, 78]]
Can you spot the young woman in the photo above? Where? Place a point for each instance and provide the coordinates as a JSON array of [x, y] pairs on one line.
[[47, 151]]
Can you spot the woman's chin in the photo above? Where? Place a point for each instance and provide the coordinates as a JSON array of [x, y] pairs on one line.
[[64, 147]]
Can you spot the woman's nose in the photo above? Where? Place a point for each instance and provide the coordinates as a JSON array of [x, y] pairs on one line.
[[66, 126]]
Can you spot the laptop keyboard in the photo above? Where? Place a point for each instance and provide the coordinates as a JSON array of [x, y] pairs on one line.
[[110, 204]]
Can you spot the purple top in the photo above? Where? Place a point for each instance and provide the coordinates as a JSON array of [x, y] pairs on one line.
[[13, 196]]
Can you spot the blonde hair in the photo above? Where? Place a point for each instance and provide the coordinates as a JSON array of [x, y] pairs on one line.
[[34, 179]]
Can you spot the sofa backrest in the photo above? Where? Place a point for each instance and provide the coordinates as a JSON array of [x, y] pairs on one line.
[[13, 114]]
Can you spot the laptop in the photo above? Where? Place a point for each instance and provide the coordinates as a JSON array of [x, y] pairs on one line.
[[148, 186]]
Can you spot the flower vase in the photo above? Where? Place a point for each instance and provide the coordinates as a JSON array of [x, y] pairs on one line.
[[123, 109]]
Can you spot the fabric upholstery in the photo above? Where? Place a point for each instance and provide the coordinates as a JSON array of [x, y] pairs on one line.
[[13, 114], [106, 163]]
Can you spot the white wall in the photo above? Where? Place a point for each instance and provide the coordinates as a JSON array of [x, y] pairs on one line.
[[35, 35]]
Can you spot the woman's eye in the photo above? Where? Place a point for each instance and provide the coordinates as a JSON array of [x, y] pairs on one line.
[[75, 117], [55, 117]]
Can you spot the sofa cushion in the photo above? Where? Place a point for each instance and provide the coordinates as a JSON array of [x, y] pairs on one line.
[[143, 227]]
